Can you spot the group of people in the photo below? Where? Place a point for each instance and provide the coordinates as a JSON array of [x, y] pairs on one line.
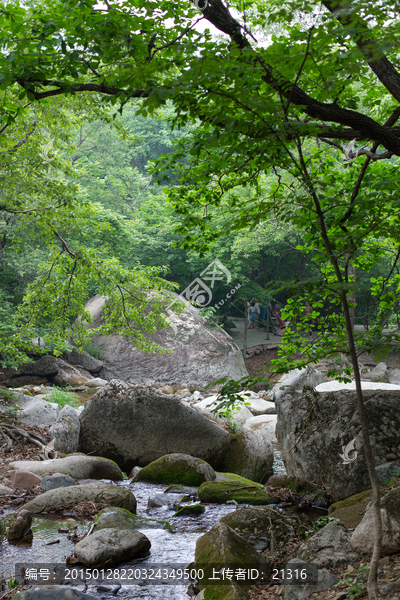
[[255, 311]]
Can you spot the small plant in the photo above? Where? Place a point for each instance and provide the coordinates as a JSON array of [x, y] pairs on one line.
[[93, 351], [317, 524], [12, 583], [62, 397]]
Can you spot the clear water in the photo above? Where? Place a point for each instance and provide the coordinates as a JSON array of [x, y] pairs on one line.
[[177, 546]]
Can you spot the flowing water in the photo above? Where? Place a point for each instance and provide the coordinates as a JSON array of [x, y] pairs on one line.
[[176, 546]]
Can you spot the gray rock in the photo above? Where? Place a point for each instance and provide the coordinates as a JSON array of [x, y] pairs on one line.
[[96, 382], [256, 405], [45, 366], [112, 546], [298, 592], [53, 593], [100, 493], [52, 482], [65, 431], [135, 424], [329, 547], [314, 429], [199, 356], [33, 410], [295, 380], [76, 466], [21, 526], [250, 454], [85, 360], [159, 500], [119, 518], [264, 423], [69, 375], [363, 536], [5, 491], [377, 374], [394, 376], [24, 480], [387, 471]]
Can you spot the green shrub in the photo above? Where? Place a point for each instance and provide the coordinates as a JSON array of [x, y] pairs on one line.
[[62, 397], [93, 351]]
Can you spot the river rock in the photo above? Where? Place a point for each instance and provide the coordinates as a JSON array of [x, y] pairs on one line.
[[222, 545], [118, 518], [84, 360], [24, 480], [33, 410], [298, 592], [256, 405], [52, 482], [240, 413], [135, 425], [101, 493], [363, 536], [394, 376], [53, 592], [314, 431], [190, 510], [233, 487], [266, 424], [377, 374], [5, 491], [65, 431], [111, 546], [295, 380], [264, 527], [177, 468], [250, 454], [45, 366], [96, 382], [329, 547], [21, 527], [76, 466], [170, 500], [199, 356]]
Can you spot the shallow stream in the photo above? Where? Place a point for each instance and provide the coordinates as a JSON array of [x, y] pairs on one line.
[[176, 547]]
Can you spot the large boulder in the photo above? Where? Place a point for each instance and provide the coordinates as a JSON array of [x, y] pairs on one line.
[[45, 366], [302, 491], [250, 454], [240, 412], [264, 527], [351, 510], [329, 547], [32, 410], [296, 380], [223, 546], [363, 536], [321, 441], [177, 468], [325, 581], [111, 546], [69, 375], [65, 431], [136, 424], [377, 374], [199, 356], [101, 493], [264, 423], [76, 466], [85, 360]]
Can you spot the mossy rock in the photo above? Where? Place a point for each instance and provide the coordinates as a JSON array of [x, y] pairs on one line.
[[192, 510], [120, 518], [6, 522], [301, 489], [230, 486], [177, 468], [175, 488], [351, 510], [222, 546]]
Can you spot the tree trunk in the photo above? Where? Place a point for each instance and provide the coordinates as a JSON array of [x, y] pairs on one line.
[[352, 297]]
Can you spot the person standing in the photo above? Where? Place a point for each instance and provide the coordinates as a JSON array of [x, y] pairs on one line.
[[253, 315], [258, 308]]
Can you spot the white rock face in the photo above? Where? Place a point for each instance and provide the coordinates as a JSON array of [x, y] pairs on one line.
[[65, 431], [200, 356], [266, 424], [336, 386], [258, 406], [295, 380]]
